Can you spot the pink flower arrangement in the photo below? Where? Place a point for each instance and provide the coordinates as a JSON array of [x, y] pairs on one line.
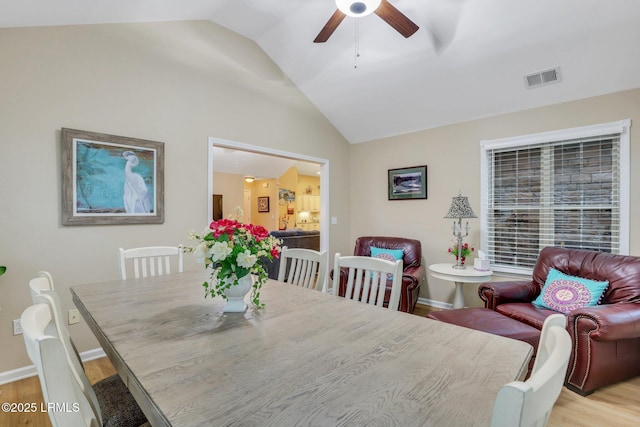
[[233, 250], [466, 251]]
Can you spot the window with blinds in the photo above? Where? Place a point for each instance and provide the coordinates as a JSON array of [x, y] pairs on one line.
[[554, 189]]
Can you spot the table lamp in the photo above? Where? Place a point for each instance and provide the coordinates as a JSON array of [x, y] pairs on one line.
[[459, 209]]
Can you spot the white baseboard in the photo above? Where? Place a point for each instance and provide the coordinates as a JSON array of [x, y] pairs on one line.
[[435, 304], [30, 371], [96, 353]]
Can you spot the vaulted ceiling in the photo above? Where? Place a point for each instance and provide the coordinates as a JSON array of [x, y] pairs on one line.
[[466, 61]]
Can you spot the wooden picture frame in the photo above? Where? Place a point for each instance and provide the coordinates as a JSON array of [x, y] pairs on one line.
[[111, 180], [407, 183], [263, 204]]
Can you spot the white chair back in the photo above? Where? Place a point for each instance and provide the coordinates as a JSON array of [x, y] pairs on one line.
[[306, 267], [367, 279], [529, 403], [59, 386], [42, 294], [150, 261], [47, 276], [37, 286]]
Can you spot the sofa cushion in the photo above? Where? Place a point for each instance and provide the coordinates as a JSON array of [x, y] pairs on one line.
[[486, 320], [387, 254], [525, 313], [564, 293]]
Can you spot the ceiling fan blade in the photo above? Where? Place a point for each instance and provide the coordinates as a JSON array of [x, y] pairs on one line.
[[330, 27], [396, 19]]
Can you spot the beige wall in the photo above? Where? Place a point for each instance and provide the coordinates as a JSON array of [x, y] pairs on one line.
[[179, 83], [305, 181], [452, 154], [287, 181], [264, 188], [231, 186]]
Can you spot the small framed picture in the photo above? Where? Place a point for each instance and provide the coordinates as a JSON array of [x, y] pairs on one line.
[[407, 183], [263, 204]]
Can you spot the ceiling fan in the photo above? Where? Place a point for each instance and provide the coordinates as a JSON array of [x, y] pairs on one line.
[[359, 8]]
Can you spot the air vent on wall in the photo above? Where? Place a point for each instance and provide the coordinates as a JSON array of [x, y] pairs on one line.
[[542, 78]]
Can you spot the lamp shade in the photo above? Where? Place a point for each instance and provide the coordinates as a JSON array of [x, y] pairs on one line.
[[356, 8], [460, 208]]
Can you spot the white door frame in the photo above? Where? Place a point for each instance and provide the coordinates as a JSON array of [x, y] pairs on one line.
[[324, 178], [247, 212]]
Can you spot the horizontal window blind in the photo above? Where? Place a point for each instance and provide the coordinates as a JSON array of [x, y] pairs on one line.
[[559, 193]]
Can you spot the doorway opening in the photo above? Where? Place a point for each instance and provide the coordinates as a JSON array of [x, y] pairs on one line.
[[230, 157]]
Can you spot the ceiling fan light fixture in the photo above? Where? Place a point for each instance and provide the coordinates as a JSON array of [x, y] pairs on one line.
[[357, 8]]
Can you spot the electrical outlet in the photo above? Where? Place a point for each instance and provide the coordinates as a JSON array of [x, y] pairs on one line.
[[74, 316], [17, 327]]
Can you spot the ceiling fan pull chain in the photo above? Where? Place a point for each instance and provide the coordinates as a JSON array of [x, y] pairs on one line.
[[357, 43]]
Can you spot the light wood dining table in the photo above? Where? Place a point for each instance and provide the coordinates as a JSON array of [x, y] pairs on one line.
[[305, 359]]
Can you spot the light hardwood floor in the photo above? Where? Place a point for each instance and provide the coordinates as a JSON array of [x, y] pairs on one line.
[[617, 405], [28, 391]]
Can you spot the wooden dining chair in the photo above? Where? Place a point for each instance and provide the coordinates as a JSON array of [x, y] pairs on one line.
[[303, 267], [529, 403], [150, 261], [109, 398], [367, 279], [58, 381]]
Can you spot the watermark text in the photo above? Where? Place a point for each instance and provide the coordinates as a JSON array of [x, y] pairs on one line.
[[40, 407]]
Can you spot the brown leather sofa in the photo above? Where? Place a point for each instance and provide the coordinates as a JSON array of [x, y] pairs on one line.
[[413, 270], [605, 337]]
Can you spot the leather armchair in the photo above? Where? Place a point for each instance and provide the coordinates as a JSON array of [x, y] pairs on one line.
[[606, 337], [413, 270]]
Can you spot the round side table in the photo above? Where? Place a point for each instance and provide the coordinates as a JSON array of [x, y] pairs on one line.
[[446, 271]]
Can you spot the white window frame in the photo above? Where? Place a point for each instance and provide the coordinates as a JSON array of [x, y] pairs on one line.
[[621, 128]]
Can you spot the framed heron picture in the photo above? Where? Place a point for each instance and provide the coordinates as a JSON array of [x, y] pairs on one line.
[[109, 179], [407, 183]]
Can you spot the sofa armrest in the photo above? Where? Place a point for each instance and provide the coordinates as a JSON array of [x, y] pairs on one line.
[[495, 293], [606, 322], [412, 276]]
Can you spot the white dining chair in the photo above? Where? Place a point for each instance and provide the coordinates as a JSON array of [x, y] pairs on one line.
[[150, 261], [303, 267], [41, 286], [529, 403], [109, 396], [57, 380], [367, 279], [47, 276]]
